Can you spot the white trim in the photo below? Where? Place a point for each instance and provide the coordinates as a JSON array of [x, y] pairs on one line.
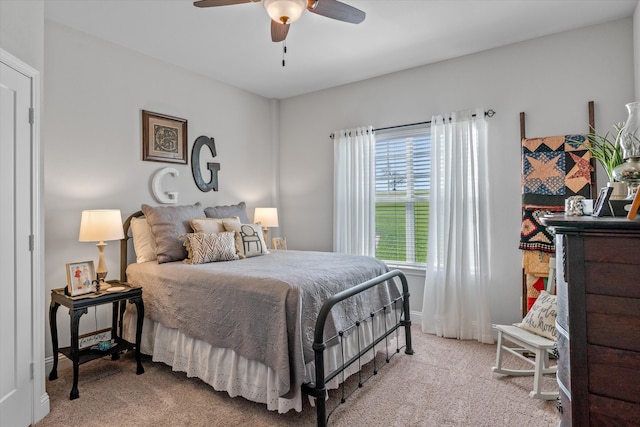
[[40, 395]]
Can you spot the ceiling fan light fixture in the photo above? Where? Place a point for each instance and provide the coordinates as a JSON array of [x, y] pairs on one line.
[[285, 11]]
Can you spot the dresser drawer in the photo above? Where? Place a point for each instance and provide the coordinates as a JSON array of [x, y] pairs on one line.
[[615, 249], [612, 279], [613, 322], [604, 411], [614, 373]]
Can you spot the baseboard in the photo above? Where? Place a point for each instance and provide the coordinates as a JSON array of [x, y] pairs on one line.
[[63, 362]]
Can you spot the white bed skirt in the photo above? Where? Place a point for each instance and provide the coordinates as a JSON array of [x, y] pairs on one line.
[[225, 370]]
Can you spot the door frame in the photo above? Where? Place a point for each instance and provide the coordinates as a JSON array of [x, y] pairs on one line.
[[40, 400]]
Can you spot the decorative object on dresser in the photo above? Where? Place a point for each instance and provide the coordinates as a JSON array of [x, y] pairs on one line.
[[100, 226], [267, 218], [607, 151], [164, 138], [598, 320], [629, 139]]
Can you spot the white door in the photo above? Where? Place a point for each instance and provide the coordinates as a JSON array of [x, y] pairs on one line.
[[16, 381]]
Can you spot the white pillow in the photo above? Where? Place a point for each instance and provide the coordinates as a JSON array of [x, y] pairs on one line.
[[541, 319], [211, 225], [144, 243], [210, 247], [249, 239]]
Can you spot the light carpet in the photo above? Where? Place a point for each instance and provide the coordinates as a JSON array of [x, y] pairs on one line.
[[445, 383]]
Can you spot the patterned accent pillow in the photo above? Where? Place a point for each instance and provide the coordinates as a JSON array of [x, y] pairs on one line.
[[210, 247], [249, 239], [541, 319]]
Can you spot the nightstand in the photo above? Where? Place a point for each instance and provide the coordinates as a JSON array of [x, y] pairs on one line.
[[77, 307]]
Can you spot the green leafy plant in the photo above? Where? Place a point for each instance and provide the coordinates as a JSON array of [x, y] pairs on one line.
[[605, 149]]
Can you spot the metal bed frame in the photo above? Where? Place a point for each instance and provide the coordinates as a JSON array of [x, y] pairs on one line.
[[318, 389]]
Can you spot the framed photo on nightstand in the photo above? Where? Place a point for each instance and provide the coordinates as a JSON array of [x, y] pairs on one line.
[[80, 278], [279, 243]]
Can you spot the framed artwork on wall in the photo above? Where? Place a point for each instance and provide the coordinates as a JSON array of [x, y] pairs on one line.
[[80, 278], [164, 138]]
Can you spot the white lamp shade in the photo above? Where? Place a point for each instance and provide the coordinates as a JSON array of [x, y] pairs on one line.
[[285, 11], [101, 225], [267, 217]]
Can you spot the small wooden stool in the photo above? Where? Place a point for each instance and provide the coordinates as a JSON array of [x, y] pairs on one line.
[[530, 342]]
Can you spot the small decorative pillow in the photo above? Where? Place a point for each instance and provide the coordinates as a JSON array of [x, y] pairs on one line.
[[228, 211], [167, 224], [210, 247], [541, 319], [211, 225], [249, 239], [144, 244]]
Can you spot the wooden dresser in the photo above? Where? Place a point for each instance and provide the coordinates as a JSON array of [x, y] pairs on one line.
[[598, 287]]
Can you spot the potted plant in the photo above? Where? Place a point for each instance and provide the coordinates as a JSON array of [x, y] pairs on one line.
[[608, 152]]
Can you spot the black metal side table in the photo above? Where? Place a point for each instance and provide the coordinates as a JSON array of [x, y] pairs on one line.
[[77, 307]]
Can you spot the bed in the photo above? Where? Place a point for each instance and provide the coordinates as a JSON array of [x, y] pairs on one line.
[[246, 322]]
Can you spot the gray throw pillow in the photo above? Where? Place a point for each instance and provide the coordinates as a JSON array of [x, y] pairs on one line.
[[228, 211], [167, 224]]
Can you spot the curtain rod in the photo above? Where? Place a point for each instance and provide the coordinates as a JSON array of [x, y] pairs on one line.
[[488, 113]]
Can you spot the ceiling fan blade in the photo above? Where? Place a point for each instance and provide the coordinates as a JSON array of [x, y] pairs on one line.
[[336, 10], [278, 31], [214, 3]]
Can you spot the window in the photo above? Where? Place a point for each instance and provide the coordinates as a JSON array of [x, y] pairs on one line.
[[403, 166]]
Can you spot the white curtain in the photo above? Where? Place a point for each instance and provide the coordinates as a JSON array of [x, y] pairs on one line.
[[354, 191], [458, 270]]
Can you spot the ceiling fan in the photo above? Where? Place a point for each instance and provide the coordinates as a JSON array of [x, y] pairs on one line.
[[284, 12]]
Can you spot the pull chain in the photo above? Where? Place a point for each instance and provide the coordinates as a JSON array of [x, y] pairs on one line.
[[284, 50]]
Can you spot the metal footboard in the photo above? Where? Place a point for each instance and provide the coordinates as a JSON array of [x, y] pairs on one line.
[[318, 389]]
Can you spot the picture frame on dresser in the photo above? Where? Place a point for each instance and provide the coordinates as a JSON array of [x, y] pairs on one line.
[[633, 209], [164, 138], [601, 206], [80, 278]]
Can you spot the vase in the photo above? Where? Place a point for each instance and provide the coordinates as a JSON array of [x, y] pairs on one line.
[[629, 139], [619, 191], [629, 173], [629, 136]]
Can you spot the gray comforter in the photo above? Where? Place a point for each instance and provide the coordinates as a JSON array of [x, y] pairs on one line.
[[265, 307]]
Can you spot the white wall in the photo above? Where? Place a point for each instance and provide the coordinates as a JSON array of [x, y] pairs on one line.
[[94, 94], [551, 79], [22, 30], [636, 50]]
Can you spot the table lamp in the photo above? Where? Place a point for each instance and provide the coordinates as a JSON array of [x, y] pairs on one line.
[[100, 226], [267, 217]]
